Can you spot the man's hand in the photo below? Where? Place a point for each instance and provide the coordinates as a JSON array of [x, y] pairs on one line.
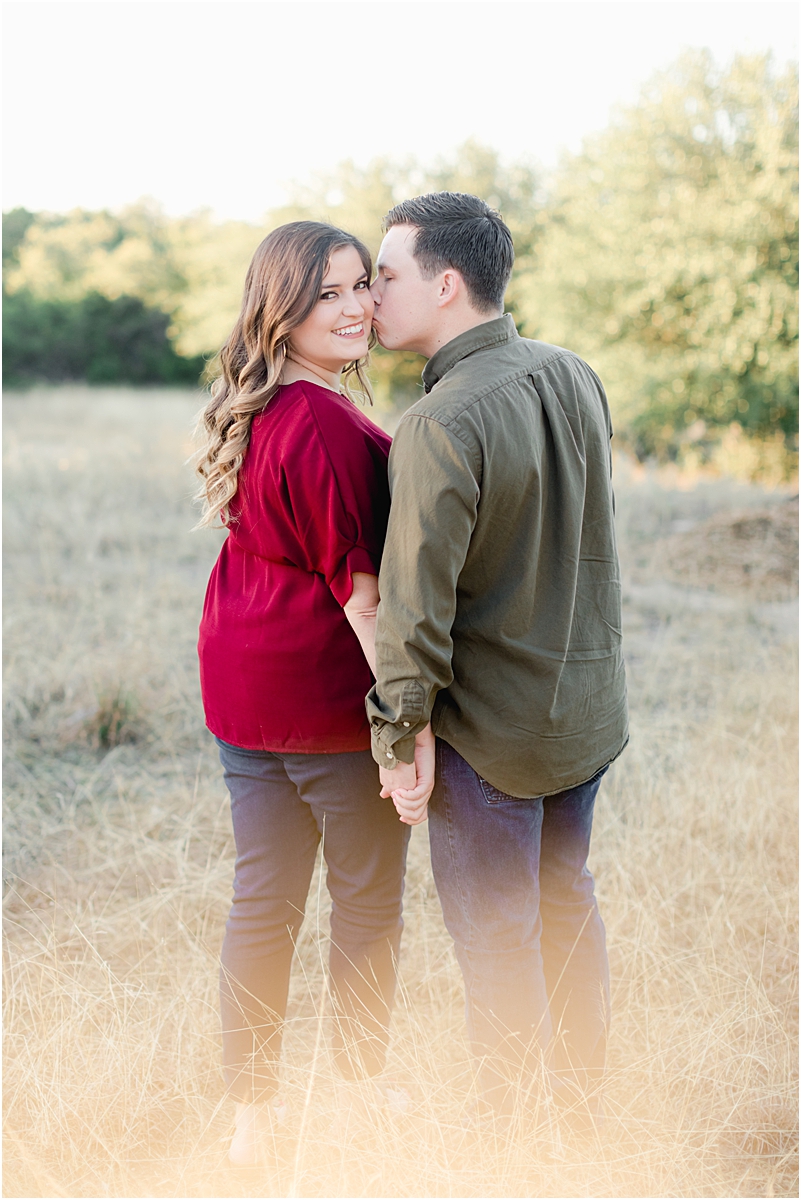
[[410, 784], [403, 775]]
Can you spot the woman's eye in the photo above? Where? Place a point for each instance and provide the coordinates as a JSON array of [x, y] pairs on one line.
[[328, 296], [362, 284]]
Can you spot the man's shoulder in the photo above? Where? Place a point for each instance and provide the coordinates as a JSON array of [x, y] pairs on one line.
[[485, 372]]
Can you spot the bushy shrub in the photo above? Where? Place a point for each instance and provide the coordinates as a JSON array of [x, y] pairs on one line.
[[93, 339]]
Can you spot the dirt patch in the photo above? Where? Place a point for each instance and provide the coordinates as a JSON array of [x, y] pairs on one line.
[[753, 551]]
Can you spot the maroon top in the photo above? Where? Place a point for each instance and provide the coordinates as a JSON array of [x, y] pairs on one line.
[[280, 666]]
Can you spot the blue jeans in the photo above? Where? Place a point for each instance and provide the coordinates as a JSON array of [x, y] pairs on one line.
[[518, 901], [283, 806]]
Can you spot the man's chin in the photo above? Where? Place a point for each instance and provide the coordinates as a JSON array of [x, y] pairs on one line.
[[385, 338]]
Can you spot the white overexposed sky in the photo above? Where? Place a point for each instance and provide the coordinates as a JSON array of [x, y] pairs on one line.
[[219, 105]]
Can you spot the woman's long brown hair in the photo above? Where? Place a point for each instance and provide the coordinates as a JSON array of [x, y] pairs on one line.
[[282, 287]]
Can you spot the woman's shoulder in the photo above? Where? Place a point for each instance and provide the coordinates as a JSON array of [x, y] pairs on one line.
[[286, 418], [337, 420]]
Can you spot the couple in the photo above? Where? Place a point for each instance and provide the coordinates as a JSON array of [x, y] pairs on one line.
[[497, 630]]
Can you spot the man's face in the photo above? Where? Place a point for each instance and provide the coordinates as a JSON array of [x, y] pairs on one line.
[[406, 310]]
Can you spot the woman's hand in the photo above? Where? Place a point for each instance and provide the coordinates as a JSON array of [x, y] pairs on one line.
[[410, 784]]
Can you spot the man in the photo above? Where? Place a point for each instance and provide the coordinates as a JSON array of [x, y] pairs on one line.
[[499, 624]]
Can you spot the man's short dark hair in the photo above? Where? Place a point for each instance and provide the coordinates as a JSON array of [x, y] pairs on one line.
[[457, 230]]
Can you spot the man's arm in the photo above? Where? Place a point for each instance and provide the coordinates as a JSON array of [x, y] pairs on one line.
[[435, 483]]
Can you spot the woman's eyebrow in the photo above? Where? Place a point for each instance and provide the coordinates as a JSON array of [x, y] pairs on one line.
[[336, 285]]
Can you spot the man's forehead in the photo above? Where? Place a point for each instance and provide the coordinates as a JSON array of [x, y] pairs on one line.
[[398, 243]]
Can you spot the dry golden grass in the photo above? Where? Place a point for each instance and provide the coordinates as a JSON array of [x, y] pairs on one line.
[[119, 860]]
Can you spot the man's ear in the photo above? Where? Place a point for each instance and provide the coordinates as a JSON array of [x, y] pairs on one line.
[[450, 288]]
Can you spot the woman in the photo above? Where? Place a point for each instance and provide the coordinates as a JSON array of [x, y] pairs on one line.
[[298, 475]]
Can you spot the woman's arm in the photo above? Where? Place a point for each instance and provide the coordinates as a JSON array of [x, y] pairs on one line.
[[361, 612], [410, 784]]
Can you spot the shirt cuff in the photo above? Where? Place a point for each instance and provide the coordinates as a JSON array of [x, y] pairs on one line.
[[392, 741]]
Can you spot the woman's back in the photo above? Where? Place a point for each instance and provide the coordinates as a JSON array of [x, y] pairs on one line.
[[281, 668]]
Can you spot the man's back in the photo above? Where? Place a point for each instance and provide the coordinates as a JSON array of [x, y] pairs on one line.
[[500, 620], [500, 578]]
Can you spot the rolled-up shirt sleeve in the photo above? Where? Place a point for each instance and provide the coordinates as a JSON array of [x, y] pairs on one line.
[[435, 486], [338, 497]]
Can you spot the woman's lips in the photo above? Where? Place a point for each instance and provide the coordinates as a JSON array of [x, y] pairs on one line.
[[350, 331]]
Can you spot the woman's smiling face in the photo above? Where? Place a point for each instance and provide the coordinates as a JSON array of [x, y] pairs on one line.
[[337, 329]]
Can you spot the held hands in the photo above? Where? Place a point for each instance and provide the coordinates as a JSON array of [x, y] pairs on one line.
[[410, 784]]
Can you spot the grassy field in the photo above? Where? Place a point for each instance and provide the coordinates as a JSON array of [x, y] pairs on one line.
[[119, 863]]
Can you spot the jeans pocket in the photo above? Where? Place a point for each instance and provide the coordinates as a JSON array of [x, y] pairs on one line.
[[494, 795]]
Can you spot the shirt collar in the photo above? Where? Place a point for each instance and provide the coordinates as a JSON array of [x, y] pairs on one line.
[[489, 333]]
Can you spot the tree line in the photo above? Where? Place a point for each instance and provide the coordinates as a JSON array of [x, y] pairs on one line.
[[665, 253]]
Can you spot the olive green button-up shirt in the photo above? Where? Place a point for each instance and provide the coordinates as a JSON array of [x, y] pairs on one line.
[[500, 586]]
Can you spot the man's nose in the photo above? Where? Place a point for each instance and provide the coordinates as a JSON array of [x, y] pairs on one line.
[[375, 291]]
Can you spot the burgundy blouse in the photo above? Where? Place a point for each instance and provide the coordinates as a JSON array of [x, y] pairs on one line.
[[280, 667]]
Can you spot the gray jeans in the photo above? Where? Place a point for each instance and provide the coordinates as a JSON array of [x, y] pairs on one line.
[[283, 806]]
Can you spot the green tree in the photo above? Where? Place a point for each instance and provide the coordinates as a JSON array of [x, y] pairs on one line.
[[93, 339], [123, 285], [114, 254], [189, 268], [669, 255], [15, 225], [213, 258]]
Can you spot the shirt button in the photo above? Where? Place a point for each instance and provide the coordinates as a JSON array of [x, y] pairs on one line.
[[389, 754], [405, 724]]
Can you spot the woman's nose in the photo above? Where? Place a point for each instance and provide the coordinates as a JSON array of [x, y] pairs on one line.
[[353, 304]]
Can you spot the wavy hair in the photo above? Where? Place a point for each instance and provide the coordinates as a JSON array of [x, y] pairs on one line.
[[281, 288]]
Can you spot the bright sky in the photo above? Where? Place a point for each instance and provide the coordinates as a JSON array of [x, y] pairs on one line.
[[221, 104]]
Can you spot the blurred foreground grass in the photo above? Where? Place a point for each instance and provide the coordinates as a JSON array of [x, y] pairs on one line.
[[119, 863]]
